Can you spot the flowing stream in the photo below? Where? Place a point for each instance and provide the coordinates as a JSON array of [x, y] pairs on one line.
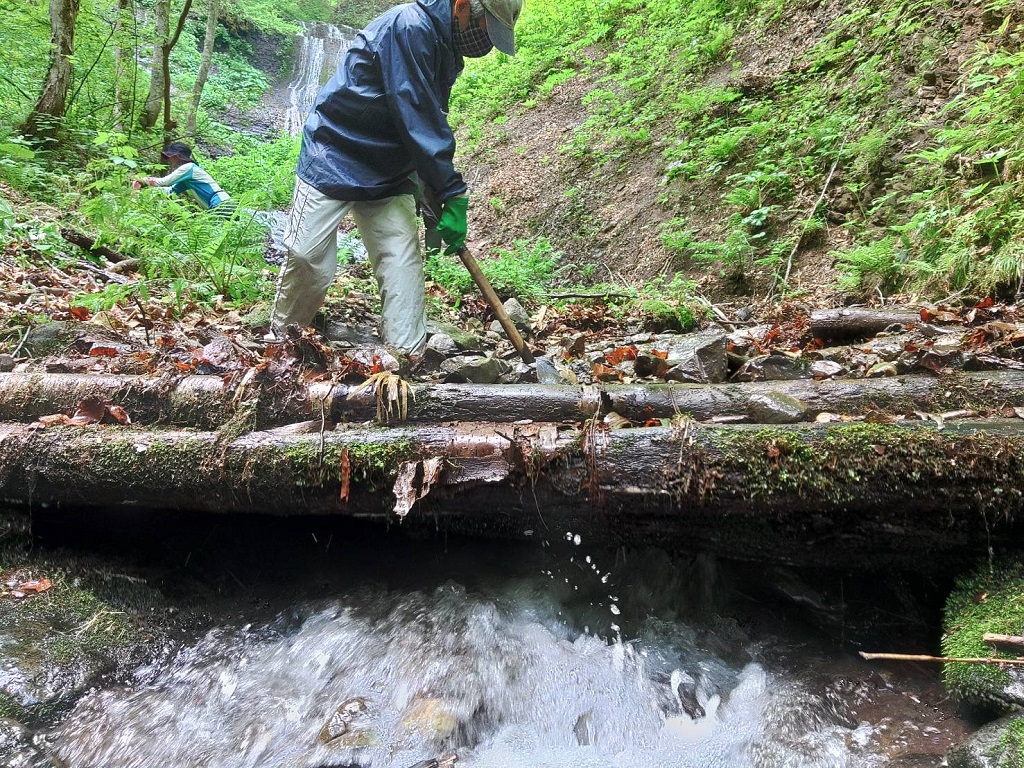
[[387, 654]]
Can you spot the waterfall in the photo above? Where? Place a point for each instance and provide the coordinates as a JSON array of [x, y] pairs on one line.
[[318, 50]]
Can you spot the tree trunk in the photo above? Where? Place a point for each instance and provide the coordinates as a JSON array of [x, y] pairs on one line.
[[119, 66], [169, 123], [50, 108], [869, 496], [204, 65], [207, 402], [151, 109]]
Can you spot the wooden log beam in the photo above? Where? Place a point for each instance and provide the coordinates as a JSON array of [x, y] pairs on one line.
[[831, 495], [857, 322], [207, 402]]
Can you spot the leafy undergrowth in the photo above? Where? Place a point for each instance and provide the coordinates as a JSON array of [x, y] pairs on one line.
[[772, 147]]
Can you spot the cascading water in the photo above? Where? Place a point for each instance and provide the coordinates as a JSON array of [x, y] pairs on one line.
[[318, 49], [532, 662]]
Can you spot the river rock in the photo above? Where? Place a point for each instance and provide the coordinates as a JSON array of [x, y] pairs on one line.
[[341, 721], [996, 745], [370, 356], [517, 314], [7, 363], [697, 357], [466, 341], [51, 337], [346, 334], [650, 365], [826, 369], [478, 370], [881, 370], [439, 348], [520, 373], [774, 367], [745, 340], [776, 408]]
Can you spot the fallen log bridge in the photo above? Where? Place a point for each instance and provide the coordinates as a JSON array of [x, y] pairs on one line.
[[866, 494], [208, 402]]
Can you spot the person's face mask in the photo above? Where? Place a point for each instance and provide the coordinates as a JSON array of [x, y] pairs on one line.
[[474, 42]]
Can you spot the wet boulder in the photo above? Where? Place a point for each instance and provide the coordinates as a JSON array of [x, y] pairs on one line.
[[430, 718], [999, 744]]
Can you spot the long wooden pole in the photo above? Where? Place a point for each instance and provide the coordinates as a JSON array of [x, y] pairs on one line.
[[492, 298], [943, 659]]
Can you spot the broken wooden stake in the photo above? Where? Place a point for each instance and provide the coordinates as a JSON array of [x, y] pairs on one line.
[[1011, 642]]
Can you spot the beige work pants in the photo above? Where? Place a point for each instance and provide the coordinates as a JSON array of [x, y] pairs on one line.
[[389, 230]]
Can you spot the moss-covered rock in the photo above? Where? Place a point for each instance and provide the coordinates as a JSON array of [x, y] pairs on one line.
[[996, 745], [992, 600]]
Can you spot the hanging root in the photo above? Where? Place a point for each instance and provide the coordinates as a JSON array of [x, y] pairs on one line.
[[392, 394]]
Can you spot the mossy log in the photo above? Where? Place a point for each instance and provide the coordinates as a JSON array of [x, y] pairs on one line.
[[207, 402], [857, 322], [867, 495]]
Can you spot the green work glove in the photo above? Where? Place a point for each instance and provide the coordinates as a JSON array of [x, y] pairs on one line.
[[452, 225]]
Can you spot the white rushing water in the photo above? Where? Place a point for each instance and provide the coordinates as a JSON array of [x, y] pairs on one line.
[[529, 672], [318, 49]]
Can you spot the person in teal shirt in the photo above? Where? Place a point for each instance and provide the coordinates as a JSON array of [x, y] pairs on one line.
[[186, 178]]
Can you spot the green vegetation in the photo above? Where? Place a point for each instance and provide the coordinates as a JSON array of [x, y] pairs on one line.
[[743, 154]]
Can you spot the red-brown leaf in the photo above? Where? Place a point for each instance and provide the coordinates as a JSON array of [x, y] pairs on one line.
[[346, 474], [605, 373], [103, 352], [91, 410], [619, 354], [80, 313], [118, 414]]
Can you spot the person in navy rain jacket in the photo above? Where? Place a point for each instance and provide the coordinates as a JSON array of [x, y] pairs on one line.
[[378, 124]]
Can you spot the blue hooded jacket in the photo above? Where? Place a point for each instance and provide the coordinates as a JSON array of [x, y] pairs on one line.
[[383, 115]]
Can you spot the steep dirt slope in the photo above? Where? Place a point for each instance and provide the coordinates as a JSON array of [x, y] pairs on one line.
[[525, 184]]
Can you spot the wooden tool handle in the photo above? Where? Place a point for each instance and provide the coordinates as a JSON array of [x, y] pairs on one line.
[[492, 298]]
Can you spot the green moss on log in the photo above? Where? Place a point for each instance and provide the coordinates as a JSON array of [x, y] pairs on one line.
[[991, 600], [845, 462]]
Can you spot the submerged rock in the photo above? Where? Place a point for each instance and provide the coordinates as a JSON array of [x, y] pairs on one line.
[[431, 718]]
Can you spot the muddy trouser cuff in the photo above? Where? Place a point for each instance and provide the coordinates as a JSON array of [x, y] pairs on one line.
[[389, 231]]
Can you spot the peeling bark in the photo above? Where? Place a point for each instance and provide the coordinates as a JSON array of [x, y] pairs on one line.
[[873, 495]]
